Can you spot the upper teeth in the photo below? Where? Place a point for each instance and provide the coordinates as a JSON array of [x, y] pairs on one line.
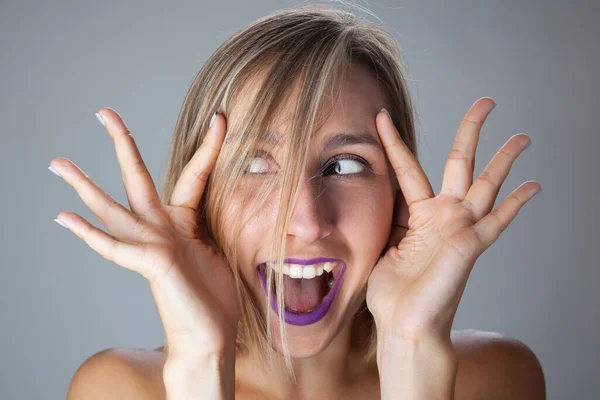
[[298, 271]]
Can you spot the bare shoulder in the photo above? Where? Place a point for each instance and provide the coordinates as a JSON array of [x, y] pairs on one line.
[[119, 373], [496, 366], [491, 366]]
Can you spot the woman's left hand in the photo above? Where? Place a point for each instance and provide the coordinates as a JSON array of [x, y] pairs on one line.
[[414, 290]]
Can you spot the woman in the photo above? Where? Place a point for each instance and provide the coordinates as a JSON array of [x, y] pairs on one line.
[[303, 197]]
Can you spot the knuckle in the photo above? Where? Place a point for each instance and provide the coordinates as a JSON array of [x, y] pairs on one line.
[[516, 197], [138, 166], [486, 177], [112, 250], [496, 215], [201, 176], [467, 121], [111, 205], [391, 146], [401, 170], [87, 232], [469, 207], [503, 153], [456, 154], [82, 179]]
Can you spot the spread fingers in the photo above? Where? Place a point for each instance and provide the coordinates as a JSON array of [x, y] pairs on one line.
[[118, 219]]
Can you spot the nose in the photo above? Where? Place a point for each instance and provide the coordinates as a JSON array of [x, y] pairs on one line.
[[312, 217]]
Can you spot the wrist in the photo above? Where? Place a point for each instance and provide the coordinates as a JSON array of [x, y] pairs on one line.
[[423, 368]]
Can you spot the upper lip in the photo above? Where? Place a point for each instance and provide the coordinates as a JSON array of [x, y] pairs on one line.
[[304, 261]]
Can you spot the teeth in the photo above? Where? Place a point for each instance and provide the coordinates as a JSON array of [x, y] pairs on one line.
[[308, 273], [298, 271], [295, 271], [329, 266], [330, 283]]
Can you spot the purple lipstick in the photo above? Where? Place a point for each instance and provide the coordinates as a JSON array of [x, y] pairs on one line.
[[318, 313]]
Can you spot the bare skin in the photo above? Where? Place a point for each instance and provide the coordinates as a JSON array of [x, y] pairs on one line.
[[348, 220], [491, 366], [325, 361]]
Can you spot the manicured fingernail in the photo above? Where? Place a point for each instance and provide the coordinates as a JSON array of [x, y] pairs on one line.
[[100, 119], [388, 114], [212, 119], [53, 170], [58, 221]]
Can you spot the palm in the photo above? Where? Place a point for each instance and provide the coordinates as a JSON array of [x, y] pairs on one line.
[[417, 284], [201, 294], [437, 229]]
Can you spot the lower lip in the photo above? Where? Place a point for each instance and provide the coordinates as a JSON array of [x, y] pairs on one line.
[[309, 317]]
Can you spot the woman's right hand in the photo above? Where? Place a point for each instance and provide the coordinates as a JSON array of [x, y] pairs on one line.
[[193, 289]]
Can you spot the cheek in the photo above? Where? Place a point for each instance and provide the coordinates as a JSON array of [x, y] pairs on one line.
[[366, 218], [256, 229]]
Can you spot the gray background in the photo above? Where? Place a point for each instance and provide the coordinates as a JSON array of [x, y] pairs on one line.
[[60, 302]]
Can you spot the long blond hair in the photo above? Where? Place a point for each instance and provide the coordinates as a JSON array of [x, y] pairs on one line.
[[310, 48]]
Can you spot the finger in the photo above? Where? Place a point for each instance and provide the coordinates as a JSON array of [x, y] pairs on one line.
[[139, 186], [411, 177], [482, 195], [119, 220], [489, 228], [125, 254], [190, 185], [458, 173]]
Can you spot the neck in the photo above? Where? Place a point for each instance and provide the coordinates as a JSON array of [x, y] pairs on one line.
[[324, 375]]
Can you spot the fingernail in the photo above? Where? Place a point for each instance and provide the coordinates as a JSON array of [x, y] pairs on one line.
[[58, 221], [495, 104], [388, 114], [528, 144], [100, 119], [539, 191], [212, 119], [53, 170]]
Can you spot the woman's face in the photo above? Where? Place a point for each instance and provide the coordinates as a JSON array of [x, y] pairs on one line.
[[343, 213]]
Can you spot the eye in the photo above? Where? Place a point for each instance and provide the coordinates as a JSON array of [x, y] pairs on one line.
[[346, 166], [259, 163], [256, 166], [342, 166]]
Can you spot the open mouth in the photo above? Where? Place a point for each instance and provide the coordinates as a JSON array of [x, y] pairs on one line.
[[309, 290]]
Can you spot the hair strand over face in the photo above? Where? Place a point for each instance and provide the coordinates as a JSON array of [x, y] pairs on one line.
[[306, 50]]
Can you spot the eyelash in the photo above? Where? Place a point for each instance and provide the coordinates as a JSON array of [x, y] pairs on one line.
[[360, 160], [328, 166]]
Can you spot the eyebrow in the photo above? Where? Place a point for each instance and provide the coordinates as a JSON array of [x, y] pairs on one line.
[[336, 140]]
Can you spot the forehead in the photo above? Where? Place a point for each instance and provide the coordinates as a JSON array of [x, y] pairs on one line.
[[360, 99]]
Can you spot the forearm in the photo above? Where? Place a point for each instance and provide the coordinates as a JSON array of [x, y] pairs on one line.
[[415, 370], [210, 376]]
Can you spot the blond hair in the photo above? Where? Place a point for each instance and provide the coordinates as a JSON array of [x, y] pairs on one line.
[[309, 48]]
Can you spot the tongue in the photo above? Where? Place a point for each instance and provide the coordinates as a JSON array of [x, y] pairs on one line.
[[302, 295]]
